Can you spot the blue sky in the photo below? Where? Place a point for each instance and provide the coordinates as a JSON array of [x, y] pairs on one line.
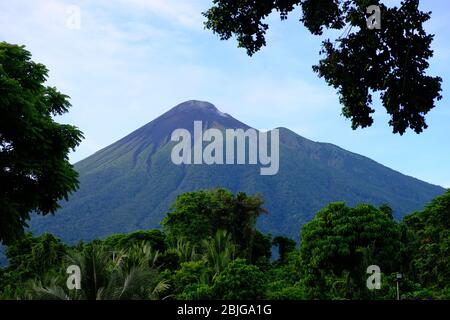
[[132, 60]]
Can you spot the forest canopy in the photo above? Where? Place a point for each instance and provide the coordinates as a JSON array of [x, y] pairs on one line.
[[214, 260]]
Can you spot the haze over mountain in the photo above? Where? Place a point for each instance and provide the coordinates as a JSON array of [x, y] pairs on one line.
[[130, 184]]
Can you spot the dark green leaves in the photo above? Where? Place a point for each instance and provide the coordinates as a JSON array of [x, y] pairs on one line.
[[242, 18], [392, 61], [429, 240], [198, 215], [318, 14], [340, 243], [34, 169]]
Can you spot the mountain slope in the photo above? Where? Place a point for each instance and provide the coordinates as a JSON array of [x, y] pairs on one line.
[[130, 184]]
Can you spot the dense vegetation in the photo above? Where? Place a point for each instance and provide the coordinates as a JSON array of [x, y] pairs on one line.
[[209, 248], [35, 172]]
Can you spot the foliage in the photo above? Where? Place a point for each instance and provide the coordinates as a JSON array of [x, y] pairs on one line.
[[188, 280], [184, 250], [104, 277], [239, 281], [285, 246], [283, 280], [35, 170], [391, 60], [261, 249], [429, 238], [155, 238], [340, 243], [33, 257], [336, 248], [198, 215], [219, 251], [280, 290]]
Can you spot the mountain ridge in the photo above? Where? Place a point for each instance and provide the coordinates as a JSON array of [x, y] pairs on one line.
[[131, 183]]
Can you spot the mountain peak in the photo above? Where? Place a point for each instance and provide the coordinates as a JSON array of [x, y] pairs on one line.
[[197, 106], [182, 116]]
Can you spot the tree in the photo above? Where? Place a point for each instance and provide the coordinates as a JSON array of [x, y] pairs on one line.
[[185, 250], [239, 281], [428, 239], [195, 216], [104, 277], [285, 246], [284, 279], [340, 243], [35, 172], [191, 280], [155, 238], [261, 249], [219, 251], [33, 257], [392, 60]]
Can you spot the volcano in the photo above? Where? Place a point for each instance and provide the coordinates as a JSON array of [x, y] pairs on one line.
[[131, 184]]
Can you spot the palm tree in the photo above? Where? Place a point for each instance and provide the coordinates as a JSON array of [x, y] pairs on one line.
[[219, 251], [138, 283], [138, 255], [185, 250], [104, 277], [96, 265], [53, 292]]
